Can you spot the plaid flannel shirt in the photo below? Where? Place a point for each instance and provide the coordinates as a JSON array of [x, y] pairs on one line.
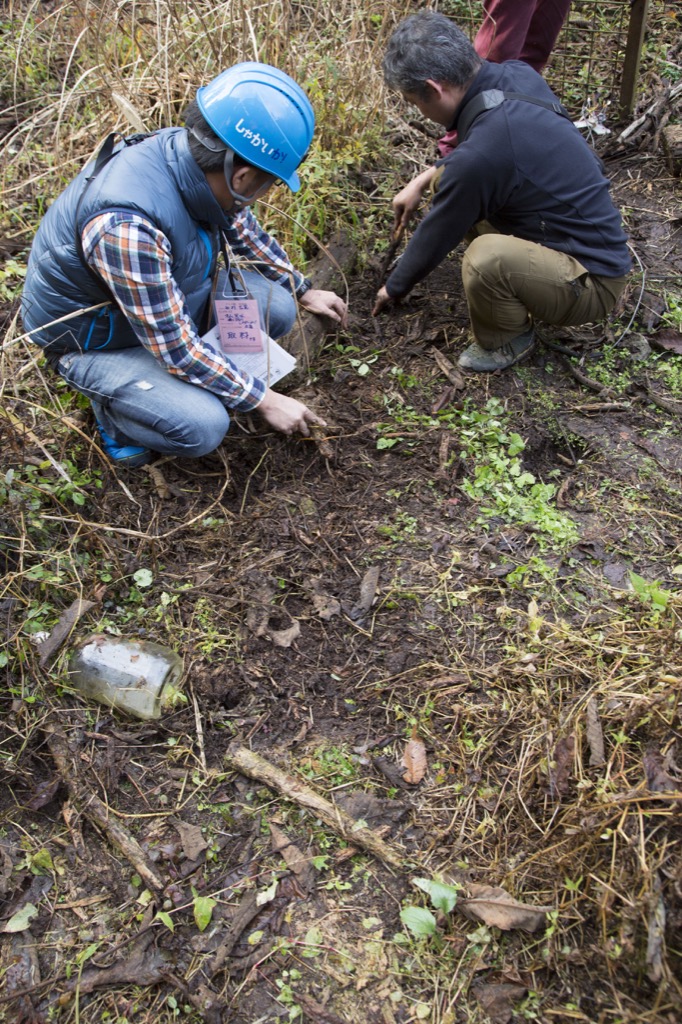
[[133, 258]]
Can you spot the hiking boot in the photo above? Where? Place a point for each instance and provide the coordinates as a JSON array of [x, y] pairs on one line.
[[486, 360], [128, 455]]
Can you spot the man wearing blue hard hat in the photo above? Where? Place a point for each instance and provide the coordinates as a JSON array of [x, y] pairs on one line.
[[122, 270]]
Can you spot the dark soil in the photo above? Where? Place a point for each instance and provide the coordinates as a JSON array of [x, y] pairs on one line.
[[403, 615]]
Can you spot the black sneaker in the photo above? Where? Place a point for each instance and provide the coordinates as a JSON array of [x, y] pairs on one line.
[[487, 360]]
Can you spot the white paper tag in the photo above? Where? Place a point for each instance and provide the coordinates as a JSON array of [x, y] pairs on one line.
[[238, 322]]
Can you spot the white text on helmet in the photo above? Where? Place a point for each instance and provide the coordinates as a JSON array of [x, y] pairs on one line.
[[259, 142]]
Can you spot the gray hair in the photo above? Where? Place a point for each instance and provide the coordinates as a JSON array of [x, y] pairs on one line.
[[428, 45]]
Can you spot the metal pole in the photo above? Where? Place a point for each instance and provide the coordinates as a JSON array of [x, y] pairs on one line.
[[639, 10]]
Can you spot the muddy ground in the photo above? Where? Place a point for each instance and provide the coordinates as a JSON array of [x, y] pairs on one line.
[[330, 601]]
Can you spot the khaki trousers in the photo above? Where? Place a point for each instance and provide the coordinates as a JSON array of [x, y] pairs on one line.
[[510, 282]]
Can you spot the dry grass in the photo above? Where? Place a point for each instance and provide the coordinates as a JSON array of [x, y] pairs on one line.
[[512, 704]]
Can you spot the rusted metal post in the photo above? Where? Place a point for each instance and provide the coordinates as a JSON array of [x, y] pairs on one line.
[[639, 10]]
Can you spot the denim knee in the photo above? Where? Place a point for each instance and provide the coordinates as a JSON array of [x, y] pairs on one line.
[[199, 435]]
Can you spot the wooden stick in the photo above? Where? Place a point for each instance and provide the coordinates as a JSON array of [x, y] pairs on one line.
[[92, 807], [246, 762], [396, 239]]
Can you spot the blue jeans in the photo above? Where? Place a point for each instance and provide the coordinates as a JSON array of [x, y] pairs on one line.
[[137, 401]]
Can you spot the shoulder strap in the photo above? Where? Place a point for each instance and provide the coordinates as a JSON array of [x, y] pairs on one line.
[[105, 154], [491, 98]]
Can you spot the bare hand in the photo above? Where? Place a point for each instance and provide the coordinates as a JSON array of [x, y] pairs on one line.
[[286, 414], [407, 201], [383, 299], [315, 300]]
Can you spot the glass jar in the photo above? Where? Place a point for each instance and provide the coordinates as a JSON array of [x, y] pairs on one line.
[[137, 676]]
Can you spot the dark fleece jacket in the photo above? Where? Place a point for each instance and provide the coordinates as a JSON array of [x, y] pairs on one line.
[[530, 173]]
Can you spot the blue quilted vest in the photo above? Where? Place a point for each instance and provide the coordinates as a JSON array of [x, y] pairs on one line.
[[157, 178]]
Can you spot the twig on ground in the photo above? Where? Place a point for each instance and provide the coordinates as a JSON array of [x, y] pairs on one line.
[[91, 806], [247, 762]]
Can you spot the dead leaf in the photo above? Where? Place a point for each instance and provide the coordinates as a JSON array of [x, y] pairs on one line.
[[496, 908], [655, 947], [391, 771], [669, 339], [129, 111], [414, 759], [448, 369], [368, 590], [593, 731], [324, 604], [143, 967], [66, 623], [497, 998], [293, 858], [444, 399], [161, 486], [22, 975], [193, 842], [560, 774], [257, 620], [376, 811], [43, 793], [285, 637], [657, 778]]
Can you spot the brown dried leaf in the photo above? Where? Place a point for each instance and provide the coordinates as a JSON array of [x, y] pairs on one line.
[[368, 590], [285, 637], [669, 339], [143, 967], [497, 999], [414, 759], [448, 369], [655, 947], [43, 793], [22, 974], [657, 778], [193, 842], [444, 399], [324, 604], [594, 733], [293, 858], [496, 908]]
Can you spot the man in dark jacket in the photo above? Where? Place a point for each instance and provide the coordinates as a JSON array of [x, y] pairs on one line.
[[549, 242], [119, 285]]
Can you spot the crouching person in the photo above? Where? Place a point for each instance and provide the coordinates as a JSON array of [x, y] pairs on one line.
[[138, 235], [547, 240]]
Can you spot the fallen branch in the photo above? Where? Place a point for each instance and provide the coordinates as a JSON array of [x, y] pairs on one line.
[[586, 381], [665, 100], [93, 808], [246, 762], [248, 909]]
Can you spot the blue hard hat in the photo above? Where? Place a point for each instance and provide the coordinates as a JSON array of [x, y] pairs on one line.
[[261, 114]]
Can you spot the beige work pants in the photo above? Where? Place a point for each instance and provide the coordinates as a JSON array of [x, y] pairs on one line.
[[510, 282]]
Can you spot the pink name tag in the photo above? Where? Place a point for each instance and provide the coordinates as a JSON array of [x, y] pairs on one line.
[[238, 323]]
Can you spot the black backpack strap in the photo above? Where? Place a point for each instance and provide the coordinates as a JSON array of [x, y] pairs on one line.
[[491, 98], [105, 154]]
